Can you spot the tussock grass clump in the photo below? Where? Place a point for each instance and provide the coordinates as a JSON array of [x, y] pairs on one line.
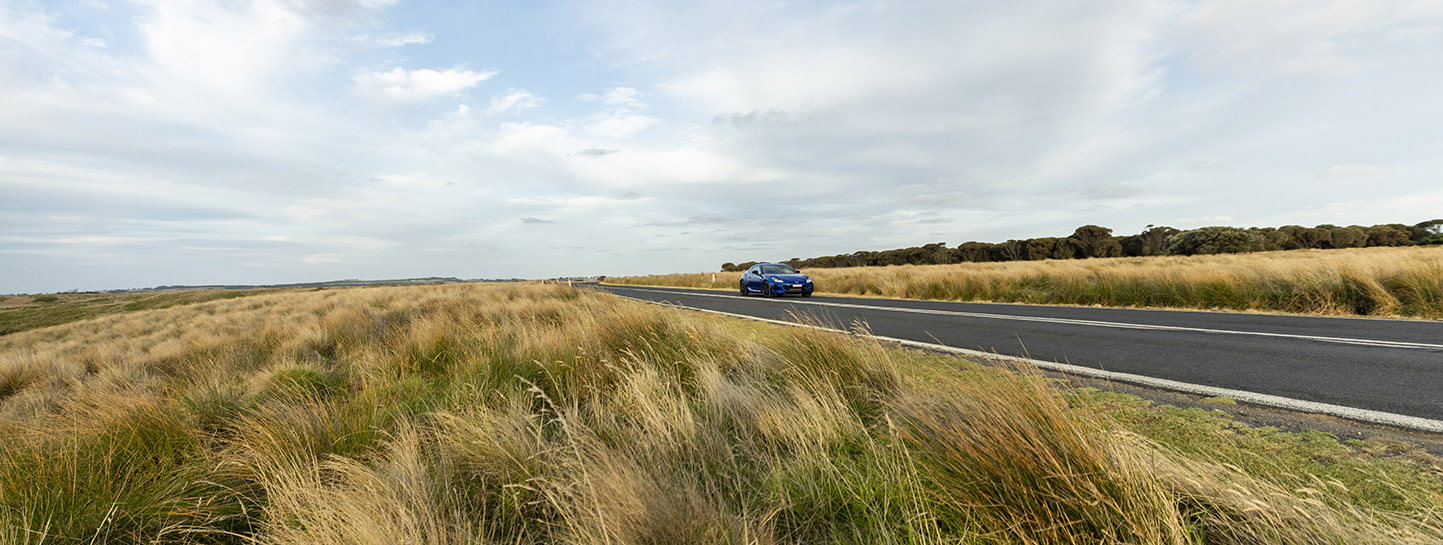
[[542, 414], [339, 499], [986, 442], [1387, 282], [133, 473]]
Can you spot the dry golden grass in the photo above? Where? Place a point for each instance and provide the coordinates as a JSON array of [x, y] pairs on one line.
[[1384, 282], [542, 414]]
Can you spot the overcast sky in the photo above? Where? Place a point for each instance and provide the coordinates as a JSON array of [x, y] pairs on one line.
[[194, 142]]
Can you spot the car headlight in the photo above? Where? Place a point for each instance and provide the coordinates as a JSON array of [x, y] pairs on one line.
[[778, 280]]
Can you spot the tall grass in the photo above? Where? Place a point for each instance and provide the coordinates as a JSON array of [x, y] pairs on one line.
[[1385, 282], [541, 414]]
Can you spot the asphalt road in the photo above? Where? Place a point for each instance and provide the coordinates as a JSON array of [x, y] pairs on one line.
[[1390, 366]]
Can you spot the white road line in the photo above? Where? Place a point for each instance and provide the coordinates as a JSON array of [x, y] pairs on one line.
[[1267, 400], [1091, 323]]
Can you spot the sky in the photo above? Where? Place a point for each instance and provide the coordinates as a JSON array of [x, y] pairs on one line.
[[165, 142]]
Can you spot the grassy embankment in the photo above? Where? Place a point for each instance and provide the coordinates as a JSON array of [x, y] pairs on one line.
[[540, 414], [1382, 282]]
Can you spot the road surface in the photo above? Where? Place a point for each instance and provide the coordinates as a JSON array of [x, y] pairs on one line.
[[1393, 367]]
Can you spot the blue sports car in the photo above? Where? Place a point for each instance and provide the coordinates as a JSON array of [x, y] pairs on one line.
[[771, 279]]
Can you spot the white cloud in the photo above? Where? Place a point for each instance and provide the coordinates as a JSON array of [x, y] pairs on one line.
[[403, 85], [528, 138], [668, 167], [360, 243], [514, 100], [1302, 37], [98, 240], [595, 152], [228, 50], [404, 39], [627, 97], [1205, 220], [620, 125], [315, 259], [1352, 171], [620, 118]]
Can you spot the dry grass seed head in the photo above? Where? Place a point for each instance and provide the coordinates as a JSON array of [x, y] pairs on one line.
[[1008, 453], [343, 500]]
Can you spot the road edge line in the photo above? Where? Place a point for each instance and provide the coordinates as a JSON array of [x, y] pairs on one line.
[[1255, 398]]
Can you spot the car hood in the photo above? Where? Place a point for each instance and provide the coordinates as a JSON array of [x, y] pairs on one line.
[[788, 277]]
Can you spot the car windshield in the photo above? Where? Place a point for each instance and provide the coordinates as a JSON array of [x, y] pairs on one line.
[[777, 269]]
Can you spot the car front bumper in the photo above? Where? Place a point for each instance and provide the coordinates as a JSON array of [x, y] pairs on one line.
[[793, 288]]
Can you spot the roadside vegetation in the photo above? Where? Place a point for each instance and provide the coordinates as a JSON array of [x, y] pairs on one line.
[[544, 414], [1091, 241], [22, 312], [1380, 282]]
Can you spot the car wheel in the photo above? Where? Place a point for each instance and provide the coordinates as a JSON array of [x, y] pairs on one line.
[[743, 286], [766, 289], [806, 294]]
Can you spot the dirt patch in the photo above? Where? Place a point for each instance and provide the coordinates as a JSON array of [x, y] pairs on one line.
[[16, 301]]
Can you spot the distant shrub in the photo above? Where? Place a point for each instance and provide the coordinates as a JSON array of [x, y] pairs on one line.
[[1425, 231], [1295, 235], [1273, 239], [1040, 248], [45, 298], [1433, 240], [974, 252], [1094, 241], [1354, 236], [1388, 235], [1214, 240], [936, 254], [1149, 242], [1317, 237], [1062, 249]]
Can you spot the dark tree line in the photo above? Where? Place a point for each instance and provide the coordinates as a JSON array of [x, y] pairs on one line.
[[1091, 241]]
